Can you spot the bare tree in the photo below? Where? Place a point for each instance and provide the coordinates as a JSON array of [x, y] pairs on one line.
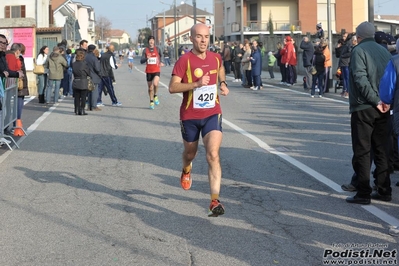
[[103, 28], [143, 35]]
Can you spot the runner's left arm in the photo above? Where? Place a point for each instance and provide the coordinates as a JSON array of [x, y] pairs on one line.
[[222, 77]]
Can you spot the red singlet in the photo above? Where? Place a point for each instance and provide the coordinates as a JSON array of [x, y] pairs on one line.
[[153, 60], [201, 102]]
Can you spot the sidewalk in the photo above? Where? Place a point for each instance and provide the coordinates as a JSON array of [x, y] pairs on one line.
[[299, 85]]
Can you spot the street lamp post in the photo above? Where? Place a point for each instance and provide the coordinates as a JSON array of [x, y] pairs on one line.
[[178, 27], [195, 11], [74, 31], [174, 26], [175, 11], [163, 31]]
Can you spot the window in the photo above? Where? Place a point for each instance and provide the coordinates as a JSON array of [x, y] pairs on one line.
[[14, 12], [253, 12]]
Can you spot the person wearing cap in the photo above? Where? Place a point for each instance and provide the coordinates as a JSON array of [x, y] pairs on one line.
[[55, 64], [320, 31], [386, 40], [94, 66], [152, 57], [369, 116]]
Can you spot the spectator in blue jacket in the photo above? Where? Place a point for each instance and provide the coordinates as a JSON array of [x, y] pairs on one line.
[[256, 64]]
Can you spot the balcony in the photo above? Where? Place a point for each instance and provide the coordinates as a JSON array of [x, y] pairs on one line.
[[278, 26], [91, 26]]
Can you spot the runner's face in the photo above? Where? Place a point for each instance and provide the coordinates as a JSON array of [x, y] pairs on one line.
[[151, 42], [201, 38]]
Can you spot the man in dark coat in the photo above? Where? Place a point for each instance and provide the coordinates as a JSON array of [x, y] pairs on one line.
[[307, 55], [107, 63], [94, 65]]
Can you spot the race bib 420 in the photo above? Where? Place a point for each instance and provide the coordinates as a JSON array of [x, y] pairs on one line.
[[205, 96]]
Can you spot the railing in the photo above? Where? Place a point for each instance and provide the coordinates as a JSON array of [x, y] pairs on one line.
[[278, 25], [8, 112]]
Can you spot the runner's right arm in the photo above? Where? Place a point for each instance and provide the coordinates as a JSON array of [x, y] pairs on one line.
[[143, 57]]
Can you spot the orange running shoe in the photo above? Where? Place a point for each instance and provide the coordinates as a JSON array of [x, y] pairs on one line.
[[185, 179], [215, 209]]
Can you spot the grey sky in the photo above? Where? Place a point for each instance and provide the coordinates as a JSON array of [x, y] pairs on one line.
[[131, 15], [386, 7]]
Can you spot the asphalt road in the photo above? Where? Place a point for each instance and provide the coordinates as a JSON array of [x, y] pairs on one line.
[[104, 189]]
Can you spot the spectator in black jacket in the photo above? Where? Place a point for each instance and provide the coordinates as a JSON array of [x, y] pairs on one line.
[[238, 52], [319, 59], [307, 55], [108, 63], [94, 66], [80, 83], [344, 52], [278, 56]]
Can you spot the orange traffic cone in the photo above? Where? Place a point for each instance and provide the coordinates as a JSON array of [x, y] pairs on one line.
[[18, 130]]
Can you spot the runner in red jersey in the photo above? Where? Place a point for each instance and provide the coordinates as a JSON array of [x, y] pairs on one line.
[[199, 74], [152, 57]]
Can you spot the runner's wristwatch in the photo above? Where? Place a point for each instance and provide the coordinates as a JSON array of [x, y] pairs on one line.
[[220, 83]]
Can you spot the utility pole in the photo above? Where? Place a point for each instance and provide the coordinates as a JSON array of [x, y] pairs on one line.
[[371, 11], [195, 11], [330, 81], [163, 31], [242, 21], [175, 11]]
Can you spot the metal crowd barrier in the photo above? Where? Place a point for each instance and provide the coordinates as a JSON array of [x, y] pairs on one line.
[[8, 114]]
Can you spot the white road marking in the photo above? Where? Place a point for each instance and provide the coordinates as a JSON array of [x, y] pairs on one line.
[[319, 177]]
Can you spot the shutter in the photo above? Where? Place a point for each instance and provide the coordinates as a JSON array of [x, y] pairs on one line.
[[7, 10], [23, 13]]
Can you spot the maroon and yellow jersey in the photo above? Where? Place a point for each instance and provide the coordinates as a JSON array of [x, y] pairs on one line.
[[201, 102]]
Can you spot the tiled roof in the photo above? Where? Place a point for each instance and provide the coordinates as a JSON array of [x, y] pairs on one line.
[[116, 33], [57, 3], [387, 17], [184, 9], [48, 30]]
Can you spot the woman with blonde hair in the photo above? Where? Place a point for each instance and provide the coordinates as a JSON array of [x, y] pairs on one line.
[[246, 65], [80, 83]]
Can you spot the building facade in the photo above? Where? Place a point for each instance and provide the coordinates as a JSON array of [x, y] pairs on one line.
[[166, 29], [118, 36], [77, 19], [250, 18], [39, 10]]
